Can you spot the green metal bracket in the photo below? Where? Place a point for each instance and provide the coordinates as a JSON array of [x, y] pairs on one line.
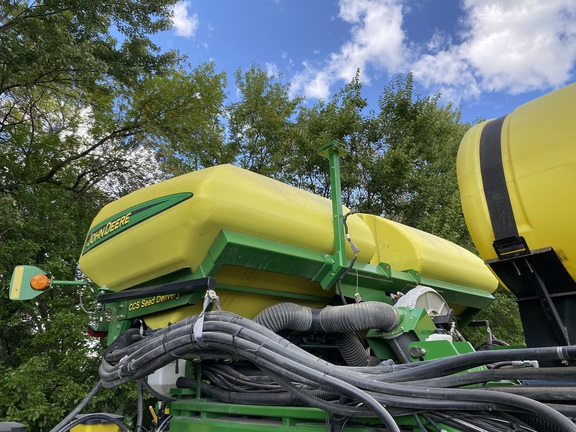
[[332, 151], [241, 250], [415, 325], [442, 348]]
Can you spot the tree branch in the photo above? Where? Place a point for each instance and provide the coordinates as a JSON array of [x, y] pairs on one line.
[[120, 133]]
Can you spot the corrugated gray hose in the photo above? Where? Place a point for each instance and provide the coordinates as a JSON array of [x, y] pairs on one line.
[[344, 321]]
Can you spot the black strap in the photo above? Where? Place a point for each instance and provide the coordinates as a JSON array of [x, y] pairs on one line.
[[169, 288], [507, 241]]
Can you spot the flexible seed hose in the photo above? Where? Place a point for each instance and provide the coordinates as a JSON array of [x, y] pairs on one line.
[[331, 319], [344, 321]]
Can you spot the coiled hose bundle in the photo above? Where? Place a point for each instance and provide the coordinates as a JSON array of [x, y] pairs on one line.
[[375, 393]]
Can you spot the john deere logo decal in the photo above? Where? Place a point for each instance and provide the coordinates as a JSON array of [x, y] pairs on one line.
[[130, 217]]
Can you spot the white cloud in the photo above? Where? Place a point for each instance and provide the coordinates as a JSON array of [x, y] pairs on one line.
[[510, 46], [448, 74], [377, 42], [184, 24], [439, 41], [513, 46], [311, 82], [272, 70]]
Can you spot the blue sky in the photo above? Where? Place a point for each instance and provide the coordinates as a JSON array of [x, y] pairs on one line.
[[487, 56]]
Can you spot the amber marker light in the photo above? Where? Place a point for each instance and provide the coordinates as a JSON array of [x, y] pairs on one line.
[[40, 282]]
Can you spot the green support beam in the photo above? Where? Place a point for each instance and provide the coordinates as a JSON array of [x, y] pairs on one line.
[[332, 151]]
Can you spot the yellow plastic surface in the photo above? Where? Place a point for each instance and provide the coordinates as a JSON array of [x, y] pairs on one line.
[[225, 197], [109, 427], [248, 304], [539, 159], [406, 248]]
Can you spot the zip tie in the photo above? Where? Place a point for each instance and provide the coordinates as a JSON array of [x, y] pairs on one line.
[[321, 383], [142, 327], [165, 339], [234, 340], [258, 349]]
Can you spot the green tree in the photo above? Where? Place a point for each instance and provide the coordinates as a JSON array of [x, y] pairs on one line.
[[341, 119], [47, 360], [69, 43], [88, 106], [414, 179], [504, 321], [260, 123]]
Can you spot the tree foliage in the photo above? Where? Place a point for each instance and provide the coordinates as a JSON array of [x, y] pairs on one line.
[[503, 319], [260, 123], [87, 102], [415, 181]]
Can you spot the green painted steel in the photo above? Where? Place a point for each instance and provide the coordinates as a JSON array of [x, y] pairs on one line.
[[415, 325], [332, 151], [206, 415], [211, 416], [230, 248], [375, 282]]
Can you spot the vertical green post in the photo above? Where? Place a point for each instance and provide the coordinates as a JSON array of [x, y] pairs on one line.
[[332, 151], [199, 381]]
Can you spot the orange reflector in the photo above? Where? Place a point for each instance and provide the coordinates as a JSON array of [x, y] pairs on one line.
[[40, 282]]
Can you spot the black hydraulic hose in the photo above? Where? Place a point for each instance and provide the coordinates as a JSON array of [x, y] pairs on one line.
[[298, 398], [568, 410], [140, 410], [131, 367], [233, 334], [472, 395], [541, 393], [450, 365], [521, 402], [260, 382], [164, 424], [246, 398], [320, 377], [237, 386], [411, 374], [275, 369], [483, 422], [333, 319], [471, 361], [538, 423], [384, 367], [78, 408], [524, 373], [337, 409], [154, 393], [459, 394]]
